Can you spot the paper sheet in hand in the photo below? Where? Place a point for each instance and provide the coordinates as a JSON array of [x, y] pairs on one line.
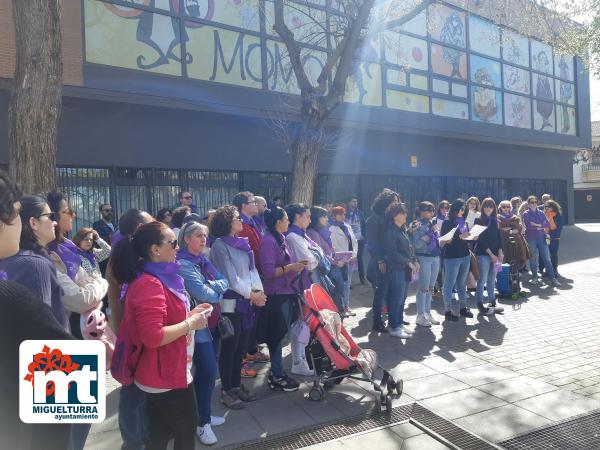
[[449, 235], [476, 231]]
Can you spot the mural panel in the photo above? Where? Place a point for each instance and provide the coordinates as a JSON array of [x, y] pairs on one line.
[[543, 116], [459, 90], [486, 105], [565, 120], [364, 85], [565, 92], [396, 77], [484, 37], [447, 25], [418, 25], [485, 71], [541, 57], [448, 61], [448, 108], [517, 111], [131, 38], [564, 67], [516, 79], [407, 102], [405, 51], [280, 75], [238, 13], [515, 48], [543, 87], [440, 86]]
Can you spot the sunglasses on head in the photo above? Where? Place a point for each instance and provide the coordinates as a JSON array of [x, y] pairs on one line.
[[50, 215], [172, 243]]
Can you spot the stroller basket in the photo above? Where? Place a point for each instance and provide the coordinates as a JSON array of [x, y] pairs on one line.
[[333, 357]]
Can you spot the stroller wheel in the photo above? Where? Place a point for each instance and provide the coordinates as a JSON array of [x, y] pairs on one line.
[[388, 404], [399, 387], [316, 394]]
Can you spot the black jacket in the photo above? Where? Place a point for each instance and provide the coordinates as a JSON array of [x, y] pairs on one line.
[[398, 248], [491, 238], [104, 230], [458, 248], [376, 236]]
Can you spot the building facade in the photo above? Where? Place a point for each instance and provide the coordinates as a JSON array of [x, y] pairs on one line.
[[164, 95], [586, 182]]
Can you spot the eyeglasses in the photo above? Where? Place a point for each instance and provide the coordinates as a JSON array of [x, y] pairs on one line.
[[505, 207], [187, 197], [533, 203], [50, 215], [107, 210], [172, 243]]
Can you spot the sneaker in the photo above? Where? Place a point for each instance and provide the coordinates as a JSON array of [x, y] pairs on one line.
[[405, 322], [450, 317], [535, 280], [422, 320], [229, 399], [301, 368], [486, 311], [465, 312], [215, 421], [247, 372], [243, 394], [497, 309], [349, 313], [555, 283], [206, 435], [284, 383], [432, 321], [400, 333], [380, 328], [258, 357]]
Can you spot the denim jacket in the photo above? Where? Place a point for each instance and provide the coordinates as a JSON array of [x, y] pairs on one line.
[[420, 245]]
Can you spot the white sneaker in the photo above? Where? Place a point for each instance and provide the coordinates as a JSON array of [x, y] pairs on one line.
[[301, 368], [215, 421], [400, 332], [206, 435], [432, 321], [422, 320]]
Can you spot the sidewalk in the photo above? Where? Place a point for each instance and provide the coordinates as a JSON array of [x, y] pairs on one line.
[[496, 376]]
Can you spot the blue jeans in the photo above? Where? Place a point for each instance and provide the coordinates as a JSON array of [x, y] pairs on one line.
[[538, 244], [79, 434], [487, 277], [205, 363], [381, 283], [397, 298], [276, 353], [133, 417], [429, 267], [456, 271]]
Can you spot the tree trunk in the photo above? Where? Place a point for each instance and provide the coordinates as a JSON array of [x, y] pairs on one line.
[[36, 97], [304, 171]]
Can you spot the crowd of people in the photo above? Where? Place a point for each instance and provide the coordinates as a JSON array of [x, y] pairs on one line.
[[198, 295]]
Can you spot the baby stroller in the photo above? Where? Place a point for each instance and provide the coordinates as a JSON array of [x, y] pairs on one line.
[[333, 355]]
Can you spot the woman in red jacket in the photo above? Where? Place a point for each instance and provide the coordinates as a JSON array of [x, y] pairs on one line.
[[158, 315]]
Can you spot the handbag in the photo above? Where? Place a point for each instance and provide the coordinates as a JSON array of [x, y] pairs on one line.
[[126, 355], [474, 267], [225, 327]]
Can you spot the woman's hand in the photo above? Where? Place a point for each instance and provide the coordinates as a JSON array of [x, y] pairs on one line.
[[197, 321], [464, 235], [382, 267], [258, 298], [95, 235], [295, 267], [494, 258], [340, 264]]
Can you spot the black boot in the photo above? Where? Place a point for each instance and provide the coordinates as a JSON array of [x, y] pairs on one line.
[[465, 312], [451, 317]]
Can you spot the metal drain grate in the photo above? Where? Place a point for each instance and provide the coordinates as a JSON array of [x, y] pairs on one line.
[[580, 432], [332, 430], [436, 426], [447, 432]]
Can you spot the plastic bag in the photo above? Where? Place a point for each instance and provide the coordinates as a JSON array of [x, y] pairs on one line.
[[299, 332]]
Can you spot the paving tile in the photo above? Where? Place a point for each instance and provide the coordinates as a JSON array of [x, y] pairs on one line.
[[432, 386], [462, 403], [410, 370], [500, 423], [239, 427], [422, 442], [483, 374], [406, 430], [519, 388], [384, 439], [277, 415], [558, 405], [452, 361]]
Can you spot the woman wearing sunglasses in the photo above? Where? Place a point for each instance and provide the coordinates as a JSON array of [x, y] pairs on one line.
[[31, 266], [81, 292], [159, 320]]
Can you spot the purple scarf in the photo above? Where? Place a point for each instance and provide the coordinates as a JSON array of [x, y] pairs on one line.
[[116, 238], [68, 253], [343, 226], [433, 238], [325, 233], [505, 216], [462, 226], [206, 268], [167, 273], [261, 225], [3, 276], [440, 218], [299, 231], [240, 243], [490, 220], [250, 221]]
